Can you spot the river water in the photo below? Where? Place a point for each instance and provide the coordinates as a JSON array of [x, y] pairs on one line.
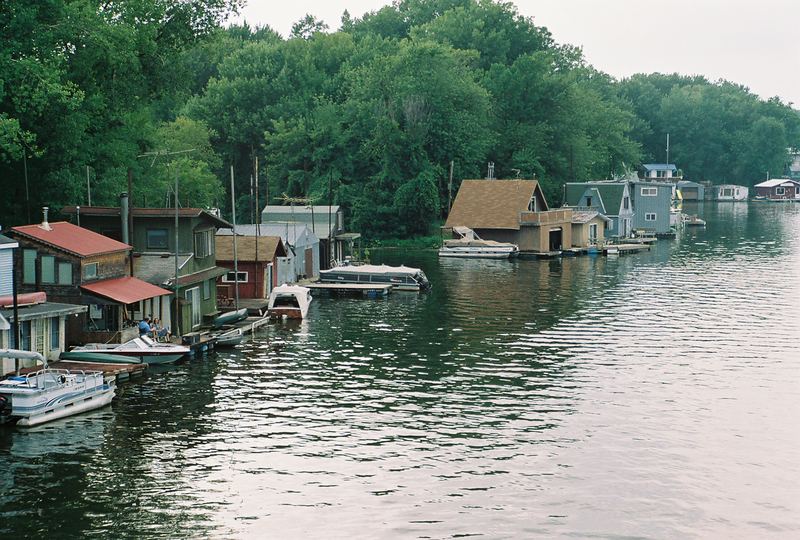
[[647, 396]]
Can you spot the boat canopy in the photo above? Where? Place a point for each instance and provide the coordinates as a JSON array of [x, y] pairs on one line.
[[375, 269]]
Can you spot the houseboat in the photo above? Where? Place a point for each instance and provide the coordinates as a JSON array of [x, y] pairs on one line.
[[470, 245], [290, 301], [729, 192], [49, 394], [402, 278]]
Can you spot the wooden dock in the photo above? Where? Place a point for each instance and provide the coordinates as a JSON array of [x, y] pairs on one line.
[[622, 249], [120, 371], [251, 324], [362, 289]]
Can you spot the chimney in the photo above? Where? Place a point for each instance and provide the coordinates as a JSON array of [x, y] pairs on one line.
[[78, 214], [45, 225], [123, 214]]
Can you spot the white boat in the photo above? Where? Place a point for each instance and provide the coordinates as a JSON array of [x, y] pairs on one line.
[[290, 301], [402, 278], [49, 394], [142, 348], [470, 245]]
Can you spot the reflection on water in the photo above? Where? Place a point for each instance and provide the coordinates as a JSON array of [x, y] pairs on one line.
[[652, 395]]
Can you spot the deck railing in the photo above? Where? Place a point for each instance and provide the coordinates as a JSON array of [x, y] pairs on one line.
[[545, 218]]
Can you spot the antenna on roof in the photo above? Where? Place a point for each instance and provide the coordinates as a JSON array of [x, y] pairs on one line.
[[490, 171], [517, 172]]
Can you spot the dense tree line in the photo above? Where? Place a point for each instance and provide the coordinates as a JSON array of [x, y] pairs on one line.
[[370, 116]]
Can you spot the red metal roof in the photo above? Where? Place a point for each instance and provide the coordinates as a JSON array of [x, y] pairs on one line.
[[125, 290], [72, 238]]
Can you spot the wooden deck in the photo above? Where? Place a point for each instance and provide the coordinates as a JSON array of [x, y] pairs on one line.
[[251, 324], [120, 371], [363, 289]]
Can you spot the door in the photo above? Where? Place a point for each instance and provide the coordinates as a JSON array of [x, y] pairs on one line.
[[309, 263], [593, 233], [193, 298], [555, 239]]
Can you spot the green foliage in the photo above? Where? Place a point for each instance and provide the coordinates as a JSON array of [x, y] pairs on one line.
[[369, 117]]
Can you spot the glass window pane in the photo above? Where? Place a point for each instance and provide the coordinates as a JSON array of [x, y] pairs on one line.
[[48, 269], [90, 271], [29, 266], [64, 273], [157, 239], [54, 333]]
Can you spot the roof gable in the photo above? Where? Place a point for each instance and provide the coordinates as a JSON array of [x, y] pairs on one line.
[[71, 238], [268, 247], [493, 204]]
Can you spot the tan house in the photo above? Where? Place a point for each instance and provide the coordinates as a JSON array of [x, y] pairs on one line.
[[588, 228], [512, 211]]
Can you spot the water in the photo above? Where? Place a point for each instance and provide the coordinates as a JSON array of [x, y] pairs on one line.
[[648, 396]]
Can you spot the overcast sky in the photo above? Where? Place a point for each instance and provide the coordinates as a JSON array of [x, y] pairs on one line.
[[751, 42]]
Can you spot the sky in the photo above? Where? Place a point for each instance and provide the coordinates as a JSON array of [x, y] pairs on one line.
[[755, 43]]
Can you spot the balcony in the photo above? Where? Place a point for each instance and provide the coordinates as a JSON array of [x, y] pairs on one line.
[[546, 218]]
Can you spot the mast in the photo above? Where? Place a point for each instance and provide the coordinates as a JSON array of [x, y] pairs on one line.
[[235, 255]]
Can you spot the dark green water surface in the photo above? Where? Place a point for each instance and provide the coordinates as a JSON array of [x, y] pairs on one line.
[[648, 396]]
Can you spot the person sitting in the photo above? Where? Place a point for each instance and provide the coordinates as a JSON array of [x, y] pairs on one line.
[[159, 333], [144, 327]]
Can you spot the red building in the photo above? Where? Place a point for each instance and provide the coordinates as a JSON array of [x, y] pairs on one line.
[[782, 189], [258, 265]]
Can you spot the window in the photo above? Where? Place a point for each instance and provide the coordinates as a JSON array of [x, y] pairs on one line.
[[157, 239], [55, 339], [203, 244], [64, 273], [626, 204], [780, 191], [589, 200], [48, 269], [90, 271], [207, 289], [29, 266], [650, 216], [726, 192], [593, 232], [649, 191], [230, 277], [25, 335]]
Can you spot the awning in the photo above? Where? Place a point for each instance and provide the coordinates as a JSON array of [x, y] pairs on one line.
[[125, 290], [190, 279]]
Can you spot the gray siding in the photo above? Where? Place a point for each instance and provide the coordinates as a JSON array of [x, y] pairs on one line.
[[659, 205], [6, 260]]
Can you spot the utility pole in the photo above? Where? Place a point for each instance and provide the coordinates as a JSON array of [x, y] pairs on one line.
[[25, 172], [89, 187], [450, 190]]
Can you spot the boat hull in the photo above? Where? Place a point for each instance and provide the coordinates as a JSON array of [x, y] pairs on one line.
[[484, 254], [96, 401], [97, 357], [286, 312]]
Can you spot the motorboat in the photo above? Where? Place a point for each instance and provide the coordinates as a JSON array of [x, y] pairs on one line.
[[470, 245], [96, 357], [402, 278], [49, 394], [142, 348], [693, 221], [289, 301], [229, 338]]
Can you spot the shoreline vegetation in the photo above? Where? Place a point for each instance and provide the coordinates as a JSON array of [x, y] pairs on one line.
[[376, 117]]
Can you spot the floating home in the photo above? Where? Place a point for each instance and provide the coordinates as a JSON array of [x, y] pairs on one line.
[[729, 192], [588, 228], [610, 198], [652, 202], [326, 223], [779, 189], [691, 191], [73, 265], [513, 211], [257, 265], [302, 248], [152, 236]]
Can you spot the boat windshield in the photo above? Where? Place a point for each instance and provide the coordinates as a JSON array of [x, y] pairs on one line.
[[288, 300]]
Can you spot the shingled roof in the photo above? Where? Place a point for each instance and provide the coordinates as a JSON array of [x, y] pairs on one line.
[[70, 238], [493, 204], [268, 247]]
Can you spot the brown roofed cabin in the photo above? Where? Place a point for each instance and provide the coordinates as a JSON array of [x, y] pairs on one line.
[[257, 267], [512, 211]]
